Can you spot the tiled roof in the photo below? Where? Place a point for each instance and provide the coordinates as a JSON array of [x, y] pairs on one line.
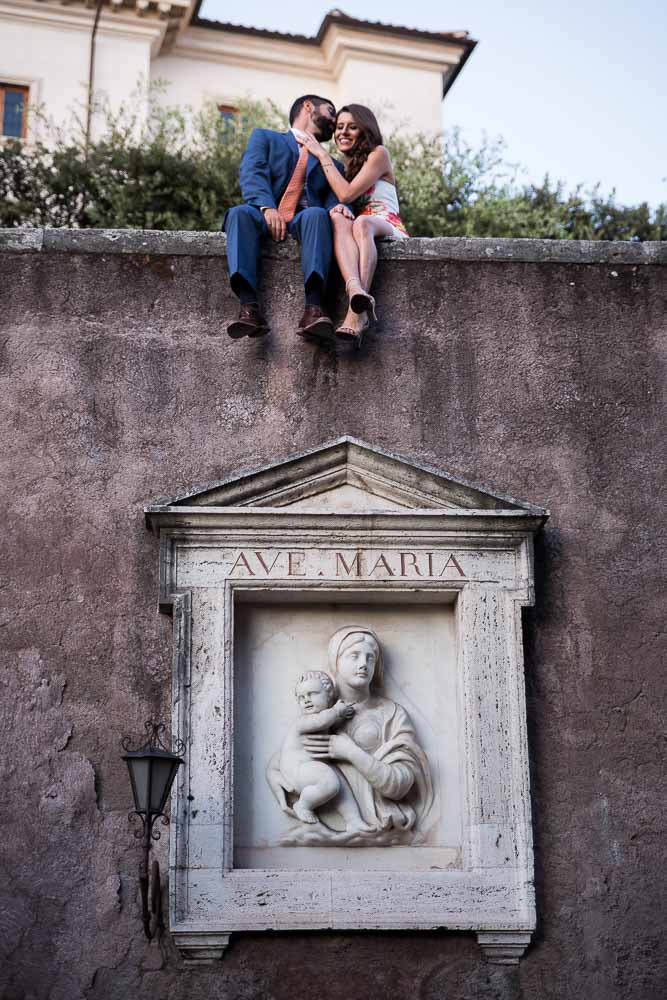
[[337, 17]]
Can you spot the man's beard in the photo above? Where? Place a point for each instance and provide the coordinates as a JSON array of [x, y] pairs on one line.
[[325, 128]]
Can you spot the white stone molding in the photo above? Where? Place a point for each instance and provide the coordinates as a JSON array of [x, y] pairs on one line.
[[157, 20], [200, 948], [258, 572], [503, 947]]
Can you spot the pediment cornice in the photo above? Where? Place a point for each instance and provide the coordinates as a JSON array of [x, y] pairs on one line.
[[349, 481]]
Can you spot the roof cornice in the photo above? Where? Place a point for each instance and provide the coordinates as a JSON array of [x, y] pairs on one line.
[[340, 19], [455, 47], [159, 20], [323, 55]]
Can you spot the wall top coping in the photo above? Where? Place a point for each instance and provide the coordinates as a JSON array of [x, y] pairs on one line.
[[213, 244]]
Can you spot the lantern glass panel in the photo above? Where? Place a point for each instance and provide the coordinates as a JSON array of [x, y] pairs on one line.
[[139, 768], [164, 769]]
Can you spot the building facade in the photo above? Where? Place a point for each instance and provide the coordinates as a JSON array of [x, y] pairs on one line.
[[59, 55]]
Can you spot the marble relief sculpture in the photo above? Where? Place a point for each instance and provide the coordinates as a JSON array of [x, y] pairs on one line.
[[351, 771], [316, 781]]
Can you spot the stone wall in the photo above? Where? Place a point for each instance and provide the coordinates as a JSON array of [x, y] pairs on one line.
[[531, 368]]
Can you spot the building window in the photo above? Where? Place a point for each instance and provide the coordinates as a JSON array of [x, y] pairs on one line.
[[227, 112], [13, 110]]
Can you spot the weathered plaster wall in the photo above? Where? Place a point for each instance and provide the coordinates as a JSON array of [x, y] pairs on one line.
[[534, 369]]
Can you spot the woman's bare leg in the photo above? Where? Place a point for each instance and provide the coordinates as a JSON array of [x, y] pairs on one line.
[[345, 246], [347, 257], [365, 229]]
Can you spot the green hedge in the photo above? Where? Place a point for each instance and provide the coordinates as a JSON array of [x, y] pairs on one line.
[[180, 171]]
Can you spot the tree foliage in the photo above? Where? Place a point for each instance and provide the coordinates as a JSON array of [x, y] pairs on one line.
[[474, 192], [180, 170]]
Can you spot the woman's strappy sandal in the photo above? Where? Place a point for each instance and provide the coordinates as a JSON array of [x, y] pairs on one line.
[[353, 336], [360, 301]]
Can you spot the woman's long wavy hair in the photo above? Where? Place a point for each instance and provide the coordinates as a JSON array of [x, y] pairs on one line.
[[369, 138]]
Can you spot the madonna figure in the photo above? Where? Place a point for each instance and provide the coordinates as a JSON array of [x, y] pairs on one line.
[[374, 750]]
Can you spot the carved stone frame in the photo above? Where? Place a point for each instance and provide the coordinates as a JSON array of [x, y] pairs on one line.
[[492, 893]]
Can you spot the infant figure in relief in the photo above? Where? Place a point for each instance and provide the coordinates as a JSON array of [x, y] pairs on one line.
[[315, 781]]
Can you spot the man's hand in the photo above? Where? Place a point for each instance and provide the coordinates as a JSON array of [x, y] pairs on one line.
[[343, 210], [276, 223]]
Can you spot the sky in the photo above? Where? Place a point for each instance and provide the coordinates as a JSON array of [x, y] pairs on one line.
[[577, 90]]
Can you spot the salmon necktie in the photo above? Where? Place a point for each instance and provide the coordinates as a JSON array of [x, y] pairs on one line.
[[290, 199]]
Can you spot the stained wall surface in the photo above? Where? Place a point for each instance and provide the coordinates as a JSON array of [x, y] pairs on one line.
[[532, 369]]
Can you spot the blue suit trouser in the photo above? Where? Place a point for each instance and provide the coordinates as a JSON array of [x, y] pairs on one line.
[[245, 226]]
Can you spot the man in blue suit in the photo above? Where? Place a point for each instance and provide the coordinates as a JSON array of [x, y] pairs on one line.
[[270, 179]]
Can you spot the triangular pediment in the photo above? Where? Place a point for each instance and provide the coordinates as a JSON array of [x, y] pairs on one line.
[[344, 476]]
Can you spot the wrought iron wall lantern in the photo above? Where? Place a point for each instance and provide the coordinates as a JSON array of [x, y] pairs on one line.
[[152, 770]]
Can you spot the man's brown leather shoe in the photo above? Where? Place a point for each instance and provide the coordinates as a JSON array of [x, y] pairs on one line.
[[315, 325], [250, 323]]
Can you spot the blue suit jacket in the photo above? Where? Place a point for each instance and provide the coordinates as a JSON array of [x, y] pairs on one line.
[[267, 165]]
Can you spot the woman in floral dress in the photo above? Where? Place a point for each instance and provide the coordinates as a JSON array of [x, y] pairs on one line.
[[369, 186]]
